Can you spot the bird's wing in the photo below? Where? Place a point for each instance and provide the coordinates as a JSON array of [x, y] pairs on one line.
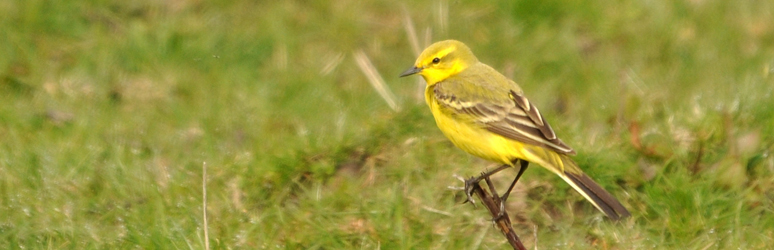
[[499, 108]]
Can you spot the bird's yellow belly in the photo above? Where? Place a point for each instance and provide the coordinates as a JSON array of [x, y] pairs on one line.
[[475, 140]]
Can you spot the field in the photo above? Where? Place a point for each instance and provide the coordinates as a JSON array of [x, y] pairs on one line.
[[111, 110]]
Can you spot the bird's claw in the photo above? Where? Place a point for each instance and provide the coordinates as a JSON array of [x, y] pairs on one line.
[[469, 183]]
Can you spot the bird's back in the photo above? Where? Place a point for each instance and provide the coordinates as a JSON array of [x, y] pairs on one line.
[[474, 86]]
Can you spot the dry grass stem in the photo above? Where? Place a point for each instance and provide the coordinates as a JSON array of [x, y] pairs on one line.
[[408, 25], [332, 61], [204, 206], [375, 79]]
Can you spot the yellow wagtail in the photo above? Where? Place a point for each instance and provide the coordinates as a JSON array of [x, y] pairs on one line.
[[487, 115]]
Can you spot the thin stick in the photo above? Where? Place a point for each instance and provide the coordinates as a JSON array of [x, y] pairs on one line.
[[204, 206], [493, 205]]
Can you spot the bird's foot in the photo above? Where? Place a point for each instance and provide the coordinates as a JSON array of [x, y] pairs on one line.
[[469, 185]]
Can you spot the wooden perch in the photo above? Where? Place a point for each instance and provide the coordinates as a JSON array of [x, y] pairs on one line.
[[492, 203]]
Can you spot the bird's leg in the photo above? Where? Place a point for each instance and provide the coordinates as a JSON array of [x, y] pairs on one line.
[[522, 168], [469, 183]]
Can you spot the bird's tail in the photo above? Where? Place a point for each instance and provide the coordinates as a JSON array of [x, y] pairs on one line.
[[566, 168]]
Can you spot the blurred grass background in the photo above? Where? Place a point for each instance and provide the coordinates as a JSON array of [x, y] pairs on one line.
[[110, 108]]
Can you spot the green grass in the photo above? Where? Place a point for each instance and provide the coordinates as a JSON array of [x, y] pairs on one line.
[[110, 108]]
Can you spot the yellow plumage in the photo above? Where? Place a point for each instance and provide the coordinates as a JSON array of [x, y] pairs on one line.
[[487, 115]]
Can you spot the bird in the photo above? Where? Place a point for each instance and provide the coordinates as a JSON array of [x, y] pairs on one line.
[[488, 115]]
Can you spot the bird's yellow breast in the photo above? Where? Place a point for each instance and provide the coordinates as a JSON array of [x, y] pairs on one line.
[[471, 137]]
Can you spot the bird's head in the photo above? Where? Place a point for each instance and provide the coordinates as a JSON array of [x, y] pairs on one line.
[[442, 60]]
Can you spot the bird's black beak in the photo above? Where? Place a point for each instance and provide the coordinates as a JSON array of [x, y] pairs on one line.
[[411, 71]]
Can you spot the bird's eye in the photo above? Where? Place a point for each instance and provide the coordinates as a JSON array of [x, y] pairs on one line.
[[436, 60]]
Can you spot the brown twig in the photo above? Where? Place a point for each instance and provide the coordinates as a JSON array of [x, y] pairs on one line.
[[503, 222]]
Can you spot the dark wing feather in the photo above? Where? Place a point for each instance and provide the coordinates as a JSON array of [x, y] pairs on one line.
[[516, 119], [533, 114]]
